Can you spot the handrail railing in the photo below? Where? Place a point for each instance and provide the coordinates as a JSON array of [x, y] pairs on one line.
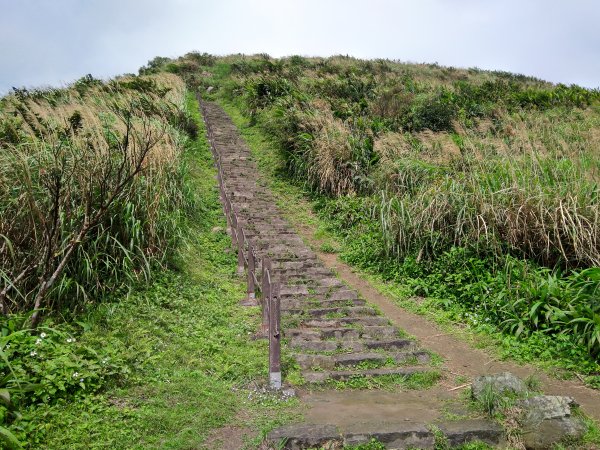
[[247, 262]]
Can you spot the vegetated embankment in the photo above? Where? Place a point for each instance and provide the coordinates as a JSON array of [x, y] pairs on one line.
[[91, 201], [89, 189], [476, 189]]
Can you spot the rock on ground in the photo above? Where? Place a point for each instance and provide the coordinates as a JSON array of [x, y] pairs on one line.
[[504, 383]]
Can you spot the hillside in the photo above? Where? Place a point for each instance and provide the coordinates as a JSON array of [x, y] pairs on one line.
[[466, 199], [475, 189]]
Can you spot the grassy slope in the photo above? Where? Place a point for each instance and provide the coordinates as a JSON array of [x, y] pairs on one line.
[[462, 288], [293, 199], [187, 340], [297, 205]]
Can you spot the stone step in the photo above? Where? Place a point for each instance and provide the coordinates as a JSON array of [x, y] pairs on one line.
[[343, 333], [343, 321], [331, 362], [391, 344], [343, 375], [393, 435], [316, 272], [340, 311], [282, 253], [341, 294], [314, 276], [283, 266], [301, 260], [298, 306], [293, 290], [253, 230], [311, 334], [274, 244], [379, 332], [301, 343], [279, 249]]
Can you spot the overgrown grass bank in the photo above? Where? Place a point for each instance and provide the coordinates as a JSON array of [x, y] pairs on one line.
[[358, 240], [476, 189], [161, 365], [90, 189]]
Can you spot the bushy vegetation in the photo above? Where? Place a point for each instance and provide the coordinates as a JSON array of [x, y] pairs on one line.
[[92, 201], [478, 188], [90, 189], [160, 362]]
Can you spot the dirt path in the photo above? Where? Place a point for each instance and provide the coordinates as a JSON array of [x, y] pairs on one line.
[[460, 358]]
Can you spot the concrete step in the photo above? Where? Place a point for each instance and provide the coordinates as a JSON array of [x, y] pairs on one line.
[[341, 360], [343, 375], [393, 435]]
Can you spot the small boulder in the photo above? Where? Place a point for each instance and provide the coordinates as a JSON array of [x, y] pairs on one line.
[[504, 383], [548, 432], [547, 420], [210, 89], [544, 407]]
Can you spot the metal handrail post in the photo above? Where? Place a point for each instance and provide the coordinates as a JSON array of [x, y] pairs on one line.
[[274, 339], [251, 270], [234, 229], [265, 294], [240, 238]]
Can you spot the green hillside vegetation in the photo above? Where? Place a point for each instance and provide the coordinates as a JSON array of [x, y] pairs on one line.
[[139, 341], [478, 189], [90, 188], [92, 202]]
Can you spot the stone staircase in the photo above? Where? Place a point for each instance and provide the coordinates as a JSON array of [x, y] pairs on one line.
[[332, 334]]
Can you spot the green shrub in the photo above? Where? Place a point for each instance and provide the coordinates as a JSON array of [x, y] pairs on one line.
[[90, 195], [264, 90], [434, 112]]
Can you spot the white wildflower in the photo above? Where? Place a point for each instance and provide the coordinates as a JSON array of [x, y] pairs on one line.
[[38, 341], [43, 335], [33, 353], [76, 374]]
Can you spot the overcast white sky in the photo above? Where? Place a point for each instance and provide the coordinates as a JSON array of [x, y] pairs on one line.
[[49, 42]]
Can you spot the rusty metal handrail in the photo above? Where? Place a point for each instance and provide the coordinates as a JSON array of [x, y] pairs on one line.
[[247, 263]]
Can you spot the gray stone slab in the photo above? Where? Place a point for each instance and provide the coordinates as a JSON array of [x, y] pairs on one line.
[[463, 431], [301, 436], [543, 407], [353, 359], [396, 436], [545, 434], [391, 344], [315, 346], [502, 383]]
